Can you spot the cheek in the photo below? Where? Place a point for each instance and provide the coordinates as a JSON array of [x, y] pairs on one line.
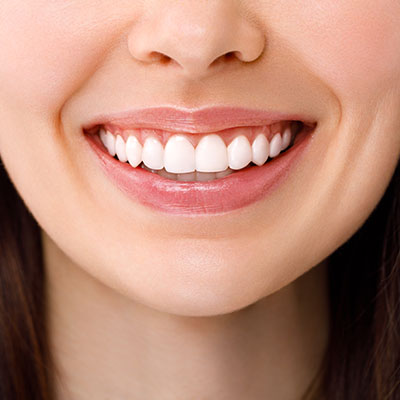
[[48, 50], [354, 46]]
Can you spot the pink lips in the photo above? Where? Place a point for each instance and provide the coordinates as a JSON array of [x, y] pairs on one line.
[[222, 195], [203, 120]]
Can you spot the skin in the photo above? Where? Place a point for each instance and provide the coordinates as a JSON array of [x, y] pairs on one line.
[[144, 305]]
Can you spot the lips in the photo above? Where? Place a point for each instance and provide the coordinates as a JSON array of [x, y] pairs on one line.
[[200, 121], [237, 190]]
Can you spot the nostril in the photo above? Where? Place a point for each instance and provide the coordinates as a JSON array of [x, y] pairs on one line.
[[164, 59], [159, 57], [224, 58], [229, 55]]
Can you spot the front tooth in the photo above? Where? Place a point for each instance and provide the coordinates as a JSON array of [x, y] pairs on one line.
[[287, 135], [260, 148], [275, 145], [211, 154], [239, 153], [133, 151], [179, 155], [120, 149], [153, 153], [110, 143]]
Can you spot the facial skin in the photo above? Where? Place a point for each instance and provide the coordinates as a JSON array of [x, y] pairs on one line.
[[67, 62], [64, 62]]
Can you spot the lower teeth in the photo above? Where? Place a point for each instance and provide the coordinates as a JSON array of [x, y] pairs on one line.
[[192, 176]]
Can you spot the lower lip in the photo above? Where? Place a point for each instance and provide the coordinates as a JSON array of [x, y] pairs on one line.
[[222, 195]]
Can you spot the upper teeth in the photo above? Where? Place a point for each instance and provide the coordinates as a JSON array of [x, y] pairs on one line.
[[210, 155]]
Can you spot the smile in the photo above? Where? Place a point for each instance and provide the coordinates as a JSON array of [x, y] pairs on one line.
[[174, 167]]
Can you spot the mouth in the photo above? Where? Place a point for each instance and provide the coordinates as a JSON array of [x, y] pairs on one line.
[[210, 161]]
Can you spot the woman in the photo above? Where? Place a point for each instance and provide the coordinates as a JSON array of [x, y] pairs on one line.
[[199, 199]]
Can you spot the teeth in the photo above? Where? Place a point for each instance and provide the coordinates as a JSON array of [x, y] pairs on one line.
[[275, 145], [286, 138], [103, 136], [166, 174], [239, 153], [211, 154], [120, 149], [108, 140], [205, 176], [133, 151], [211, 159], [190, 177], [153, 153], [260, 148], [179, 155], [222, 174]]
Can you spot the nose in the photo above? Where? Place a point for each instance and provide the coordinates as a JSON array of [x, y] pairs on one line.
[[196, 35]]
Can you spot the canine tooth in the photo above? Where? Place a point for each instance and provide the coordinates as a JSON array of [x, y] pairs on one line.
[[275, 145], [211, 154], [120, 149], [286, 138], [260, 149], [239, 153], [110, 143], [153, 153], [179, 155], [205, 176], [133, 151]]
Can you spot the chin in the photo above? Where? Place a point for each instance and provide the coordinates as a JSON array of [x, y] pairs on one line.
[[194, 281]]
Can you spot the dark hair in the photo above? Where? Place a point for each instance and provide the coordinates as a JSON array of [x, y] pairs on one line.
[[25, 372], [362, 358]]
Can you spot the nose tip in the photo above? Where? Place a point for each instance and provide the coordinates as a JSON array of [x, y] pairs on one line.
[[196, 36]]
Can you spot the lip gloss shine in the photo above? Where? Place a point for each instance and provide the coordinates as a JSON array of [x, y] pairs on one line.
[[235, 191]]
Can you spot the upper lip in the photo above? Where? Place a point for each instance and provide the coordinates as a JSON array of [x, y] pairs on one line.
[[203, 120]]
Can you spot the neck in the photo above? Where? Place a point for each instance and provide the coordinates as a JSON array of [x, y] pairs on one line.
[[108, 346]]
